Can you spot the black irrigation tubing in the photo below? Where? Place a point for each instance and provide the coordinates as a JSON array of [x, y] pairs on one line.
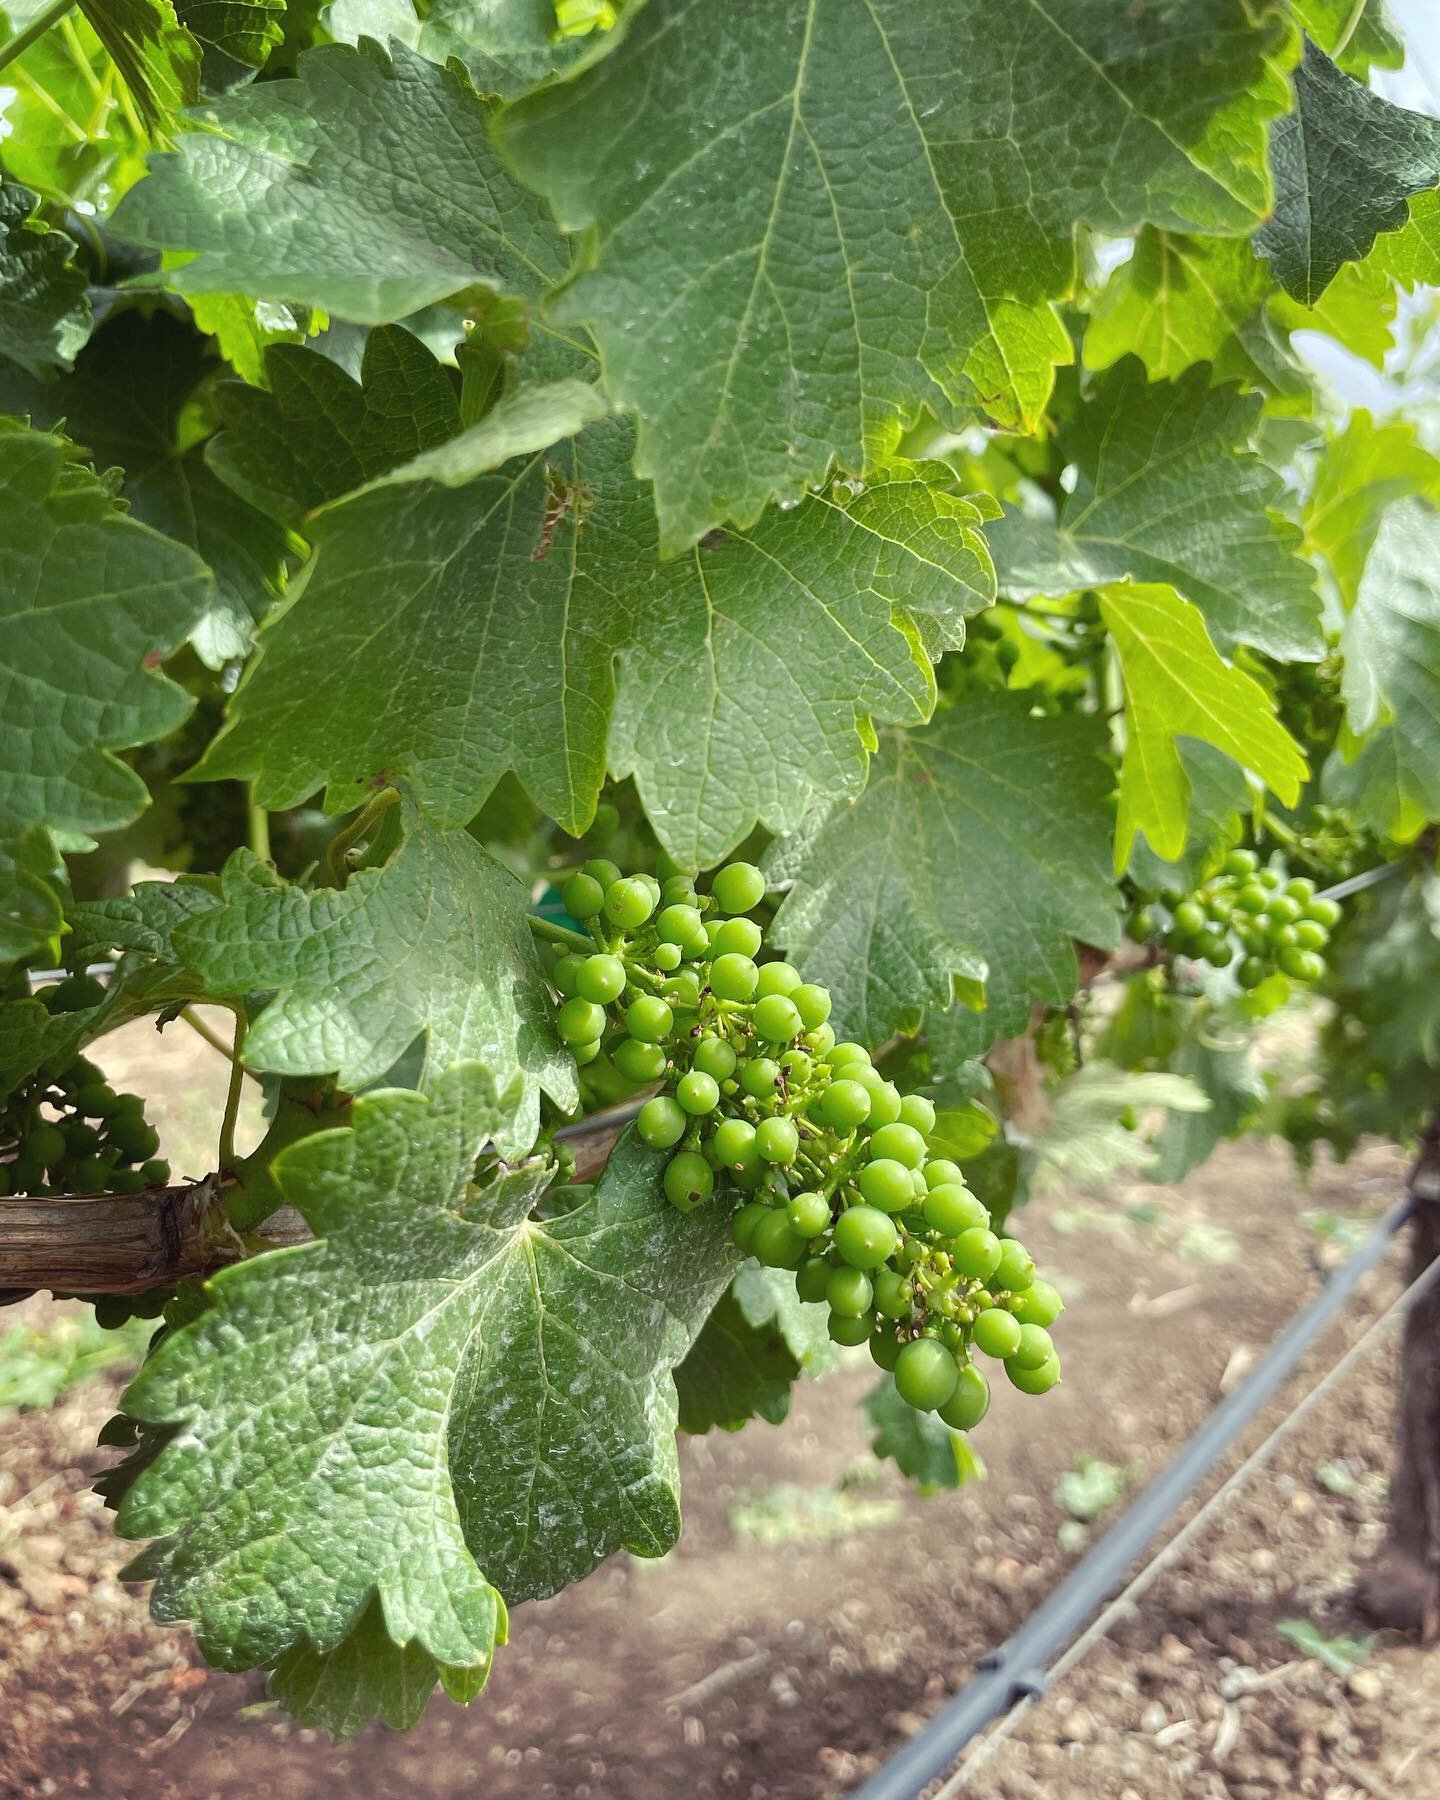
[[1018, 1668]]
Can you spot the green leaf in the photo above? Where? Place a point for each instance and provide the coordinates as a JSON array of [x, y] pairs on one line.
[[1358, 475], [1391, 682], [1346, 162], [439, 1385], [127, 403], [44, 310], [1168, 490], [767, 1297], [509, 46], [91, 602], [1368, 41], [321, 191], [235, 36], [33, 885], [1218, 800], [797, 237], [158, 60], [1221, 1068], [734, 1372], [243, 329], [355, 982], [919, 1444], [1176, 685], [1177, 301], [750, 666], [1086, 1141], [315, 433], [981, 842]]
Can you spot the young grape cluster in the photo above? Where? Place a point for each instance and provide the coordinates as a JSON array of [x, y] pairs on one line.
[[1270, 923], [71, 1133], [759, 1100]]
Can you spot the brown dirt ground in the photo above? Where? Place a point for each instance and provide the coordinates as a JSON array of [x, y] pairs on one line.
[[789, 1671]]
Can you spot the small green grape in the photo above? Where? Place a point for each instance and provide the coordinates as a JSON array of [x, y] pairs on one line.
[[738, 887], [759, 1077], [1310, 934], [997, 1333], [734, 1140], [845, 1330], [777, 1141], [580, 1021], [688, 1180], [156, 1172], [885, 1350], [1039, 1304], [1190, 918], [96, 1099], [777, 978], [713, 1056], [567, 973], [847, 1053], [745, 1224], [1250, 973], [585, 1053], [951, 1209], [886, 1184], [809, 1214], [894, 1295], [583, 896], [813, 1003], [812, 1279], [1034, 1381], [918, 1113], [1324, 912], [629, 902], [600, 979], [849, 1291], [884, 1096], [942, 1173], [736, 937], [639, 1062], [661, 1122], [775, 1018], [733, 977], [1035, 1347], [649, 1019], [898, 1143], [46, 1143], [777, 1244], [1015, 1269], [925, 1375], [865, 1236], [970, 1402], [667, 957], [975, 1252], [602, 870], [681, 924], [1241, 862], [697, 1092], [844, 1105]]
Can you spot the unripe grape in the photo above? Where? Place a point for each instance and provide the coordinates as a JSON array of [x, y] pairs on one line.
[[639, 1062], [1252, 898], [899, 1143], [758, 1077], [821, 1040], [1241, 862], [797, 1066], [894, 1295], [997, 1333], [851, 1057], [925, 1375], [1034, 1381], [809, 1214], [812, 1002], [667, 957], [688, 1180], [865, 1236], [733, 977], [601, 869], [156, 1172], [812, 1279], [844, 1105], [1035, 1347], [845, 1330], [1325, 912], [1302, 965], [583, 896], [777, 1140], [586, 1052], [678, 890], [46, 1144], [601, 979], [1310, 934], [1190, 918], [1250, 973], [918, 1112], [649, 1019], [1015, 1269], [1039, 1304], [747, 1221], [952, 1209], [661, 1122], [736, 937], [975, 1252], [679, 924], [849, 1292], [713, 1056], [884, 1096], [738, 887], [734, 1140], [697, 1092], [1213, 947], [580, 1021], [777, 1244], [629, 902], [567, 973], [1302, 888], [775, 1018], [942, 1172], [683, 990], [885, 1350], [777, 978], [970, 1402], [886, 1184]]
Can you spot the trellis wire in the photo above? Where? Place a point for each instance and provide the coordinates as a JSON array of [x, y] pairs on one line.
[[1017, 1671]]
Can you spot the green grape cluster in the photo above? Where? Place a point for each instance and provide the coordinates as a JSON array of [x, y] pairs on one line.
[[70, 1132], [834, 1169], [1253, 916]]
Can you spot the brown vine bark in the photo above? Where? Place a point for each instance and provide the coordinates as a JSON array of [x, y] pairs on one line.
[[1401, 1588]]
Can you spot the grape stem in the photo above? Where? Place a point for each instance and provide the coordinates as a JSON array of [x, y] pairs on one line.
[[560, 934], [213, 1039], [37, 28], [232, 1099]]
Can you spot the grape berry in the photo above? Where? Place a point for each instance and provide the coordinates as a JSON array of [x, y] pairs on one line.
[[833, 1166], [1253, 917]]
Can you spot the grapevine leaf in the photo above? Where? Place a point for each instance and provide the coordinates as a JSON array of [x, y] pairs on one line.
[[320, 191], [314, 433], [1087, 1141], [734, 1372], [91, 602], [235, 36], [767, 1297], [1225, 1074], [507, 45], [1346, 162], [1168, 490], [750, 664], [144, 920], [33, 885], [521, 422], [126, 403], [365, 1676], [851, 212], [44, 311], [1176, 685], [243, 329], [1391, 682], [157, 59], [433, 1388], [1359, 473], [1364, 42], [1218, 799], [920, 1445], [355, 983], [980, 843]]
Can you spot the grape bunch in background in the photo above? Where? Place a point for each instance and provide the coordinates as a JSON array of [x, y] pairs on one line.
[[1255, 917], [68, 1131], [832, 1165]]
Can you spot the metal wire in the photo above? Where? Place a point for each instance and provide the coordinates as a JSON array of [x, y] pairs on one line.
[[1181, 1540]]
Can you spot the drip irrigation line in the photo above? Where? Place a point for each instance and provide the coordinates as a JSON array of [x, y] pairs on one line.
[[1019, 1669]]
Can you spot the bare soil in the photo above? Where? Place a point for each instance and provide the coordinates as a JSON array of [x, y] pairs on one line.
[[785, 1670]]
